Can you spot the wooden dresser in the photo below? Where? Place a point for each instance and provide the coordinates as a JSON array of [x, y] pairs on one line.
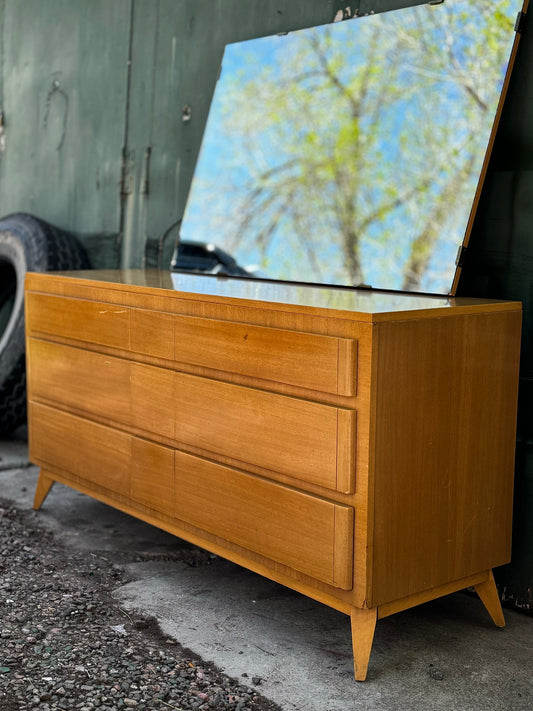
[[356, 446]]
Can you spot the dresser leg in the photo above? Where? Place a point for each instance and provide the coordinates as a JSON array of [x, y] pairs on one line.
[[488, 593], [363, 626], [41, 492]]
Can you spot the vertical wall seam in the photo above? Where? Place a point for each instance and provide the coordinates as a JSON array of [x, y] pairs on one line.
[[125, 151], [2, 52]]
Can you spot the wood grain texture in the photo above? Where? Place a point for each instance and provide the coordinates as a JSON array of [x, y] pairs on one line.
[[152, 333], [44, 485], [357, 447], [488, 593], [152, 476], [293, 436], [104, 456], [444, 451], [296, 437], [364, 305], [363, 623], [284, 524], [323, 593], [347, 366], [102, 386], [346, 450], [419, 598], [72, 444], [316, 362], [88, 321]]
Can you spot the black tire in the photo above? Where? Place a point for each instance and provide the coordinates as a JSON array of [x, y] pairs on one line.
[[26, 245]]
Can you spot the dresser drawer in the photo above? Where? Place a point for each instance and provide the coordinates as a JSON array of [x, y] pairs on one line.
[[306, 440], [76, 319], [299, 438], [137, 330], [322, 363], [116, 461], [309, 534], [124, 392]]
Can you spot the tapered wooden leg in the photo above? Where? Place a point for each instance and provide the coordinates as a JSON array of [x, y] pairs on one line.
[[488, 593], [43, 488], [363, 626]]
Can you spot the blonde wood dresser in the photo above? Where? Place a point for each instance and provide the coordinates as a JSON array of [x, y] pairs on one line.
[[355, 446]]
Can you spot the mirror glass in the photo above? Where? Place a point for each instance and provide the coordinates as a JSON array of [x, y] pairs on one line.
[[350, 153]]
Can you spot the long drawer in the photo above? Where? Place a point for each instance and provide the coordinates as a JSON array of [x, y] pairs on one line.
[[114, 460], [321, 363], [128, 393], [302, 439], [307, 533], [306, 440]]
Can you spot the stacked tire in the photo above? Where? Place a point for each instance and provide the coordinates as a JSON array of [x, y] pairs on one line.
[[27, 244]]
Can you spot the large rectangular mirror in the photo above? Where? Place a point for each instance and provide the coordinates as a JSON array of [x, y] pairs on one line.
[[351, 153]]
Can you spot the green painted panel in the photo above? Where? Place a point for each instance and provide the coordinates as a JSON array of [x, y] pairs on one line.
[[2, 14], [176, 52], [65, 66]]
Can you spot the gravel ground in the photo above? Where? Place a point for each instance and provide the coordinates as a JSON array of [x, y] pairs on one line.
[[66, 644]]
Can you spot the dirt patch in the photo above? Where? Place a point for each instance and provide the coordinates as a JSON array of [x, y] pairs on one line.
[[66, 644]]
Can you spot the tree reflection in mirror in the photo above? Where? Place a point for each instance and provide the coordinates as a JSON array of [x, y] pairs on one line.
[[351, 153]]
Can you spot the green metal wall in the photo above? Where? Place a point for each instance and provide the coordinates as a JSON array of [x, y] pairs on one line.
[[64, 69]]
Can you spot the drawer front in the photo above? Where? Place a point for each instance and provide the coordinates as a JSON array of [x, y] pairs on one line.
[[298, 438], [132, 394], [321, 363], [304, 532], [152, 333], [302, 439], [140, 331], [87, 321], [114, 460]]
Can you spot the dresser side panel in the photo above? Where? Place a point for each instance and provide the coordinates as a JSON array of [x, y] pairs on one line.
[[446, 395]]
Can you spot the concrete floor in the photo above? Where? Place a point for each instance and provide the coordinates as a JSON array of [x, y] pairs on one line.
[[443, 655]]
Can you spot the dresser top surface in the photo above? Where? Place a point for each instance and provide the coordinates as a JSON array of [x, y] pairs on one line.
[[360, 304]]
